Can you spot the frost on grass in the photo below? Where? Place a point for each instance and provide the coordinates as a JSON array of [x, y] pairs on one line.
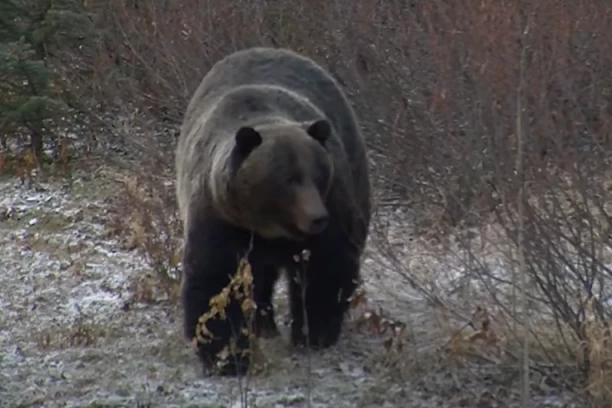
[[72, 336], [457, 294], [73, 333]]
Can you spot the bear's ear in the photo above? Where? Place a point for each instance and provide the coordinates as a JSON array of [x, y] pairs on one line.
[[247, 139], [319, 130]]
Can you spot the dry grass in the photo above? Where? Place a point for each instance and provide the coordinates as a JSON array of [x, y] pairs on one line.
[[83, 332], [147, 220]]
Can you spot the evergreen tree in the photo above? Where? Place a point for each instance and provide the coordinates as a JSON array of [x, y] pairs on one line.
[[28, 30]]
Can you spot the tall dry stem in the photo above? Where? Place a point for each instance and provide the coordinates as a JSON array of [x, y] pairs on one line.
[[521, 228]]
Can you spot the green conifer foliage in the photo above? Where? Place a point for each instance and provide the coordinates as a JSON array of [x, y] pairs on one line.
[[29, 31]]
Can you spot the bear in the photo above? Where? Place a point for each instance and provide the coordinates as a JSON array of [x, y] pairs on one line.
[[270, 162]]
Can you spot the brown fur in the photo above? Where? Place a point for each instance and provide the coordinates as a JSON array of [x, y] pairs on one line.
[[257, 198]]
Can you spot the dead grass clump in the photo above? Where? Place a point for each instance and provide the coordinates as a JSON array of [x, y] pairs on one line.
[[23, 165], [80, 333], [150, 289], [597, 349], [148, 221], [375, 320]]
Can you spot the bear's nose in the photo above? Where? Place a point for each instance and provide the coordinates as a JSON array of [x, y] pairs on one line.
[[317, 225]]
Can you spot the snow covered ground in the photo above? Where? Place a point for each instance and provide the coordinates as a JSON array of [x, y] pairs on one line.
[[72, 336]]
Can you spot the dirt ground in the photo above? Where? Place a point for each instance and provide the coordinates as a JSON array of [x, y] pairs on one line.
[[72, 336]]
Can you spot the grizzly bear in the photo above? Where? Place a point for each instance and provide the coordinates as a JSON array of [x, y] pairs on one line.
[[270, 162]]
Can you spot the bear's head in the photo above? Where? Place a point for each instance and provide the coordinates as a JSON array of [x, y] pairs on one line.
[[280, 176]]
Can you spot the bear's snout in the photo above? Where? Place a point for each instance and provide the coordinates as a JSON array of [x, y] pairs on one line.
[[318, 224], [313, 220], [311, 216]]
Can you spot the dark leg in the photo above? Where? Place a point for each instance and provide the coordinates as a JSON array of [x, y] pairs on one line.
[[331, 277], [210, 257], [265, 278], [296, 303]]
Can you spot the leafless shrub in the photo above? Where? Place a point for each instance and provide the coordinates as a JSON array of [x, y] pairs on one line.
[[148, 220]]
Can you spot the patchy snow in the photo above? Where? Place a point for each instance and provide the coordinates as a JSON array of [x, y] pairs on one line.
[[68, 337]]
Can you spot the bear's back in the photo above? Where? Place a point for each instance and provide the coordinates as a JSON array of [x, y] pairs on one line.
[[285, 69]]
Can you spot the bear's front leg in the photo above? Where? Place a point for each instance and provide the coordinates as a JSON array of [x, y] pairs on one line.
[[330, 279], [209, 261], [265, 277]]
